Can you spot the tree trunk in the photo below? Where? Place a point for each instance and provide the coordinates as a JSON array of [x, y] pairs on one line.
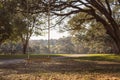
[[112, 29], [117, 41], [24, 49], [25, 45], [118, 48]]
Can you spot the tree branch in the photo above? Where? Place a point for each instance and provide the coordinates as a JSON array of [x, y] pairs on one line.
[[109, 8]]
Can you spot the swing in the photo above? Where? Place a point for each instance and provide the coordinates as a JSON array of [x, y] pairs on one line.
[[49, 28], [45, 59]]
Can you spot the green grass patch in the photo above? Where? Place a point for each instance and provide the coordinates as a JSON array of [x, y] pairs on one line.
[[91, 57], [13, 56], [100, 57], [24, 56]]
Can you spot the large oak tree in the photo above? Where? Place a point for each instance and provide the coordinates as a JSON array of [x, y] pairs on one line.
[[103, 11]]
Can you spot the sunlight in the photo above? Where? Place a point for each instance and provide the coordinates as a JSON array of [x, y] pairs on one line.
[[53, 35]]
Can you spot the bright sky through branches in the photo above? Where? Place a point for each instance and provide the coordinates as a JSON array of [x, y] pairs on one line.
[[54, 34]]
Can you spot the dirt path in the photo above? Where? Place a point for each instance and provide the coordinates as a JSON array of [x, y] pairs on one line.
[[61, 58], [76, 55], [11, 61]]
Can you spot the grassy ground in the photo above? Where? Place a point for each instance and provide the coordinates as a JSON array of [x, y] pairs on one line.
[[99, 57], [63, 67], [24, 56]]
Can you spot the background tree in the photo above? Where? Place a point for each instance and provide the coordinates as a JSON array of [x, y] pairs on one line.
[[28, 25]]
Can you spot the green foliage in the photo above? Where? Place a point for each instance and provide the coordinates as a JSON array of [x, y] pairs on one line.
[[14, 23], [63, 45], [5, 24], [89, 34], [7, 12], [79, 22], [1, 5]]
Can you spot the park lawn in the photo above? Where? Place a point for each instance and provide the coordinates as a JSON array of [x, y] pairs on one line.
[[99, 57], [25, 56], [92, 57], [65, 68]]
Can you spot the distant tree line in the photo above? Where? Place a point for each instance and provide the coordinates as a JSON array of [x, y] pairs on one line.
[[69, 45]]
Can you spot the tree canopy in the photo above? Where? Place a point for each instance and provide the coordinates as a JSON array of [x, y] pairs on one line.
[[105, 12]]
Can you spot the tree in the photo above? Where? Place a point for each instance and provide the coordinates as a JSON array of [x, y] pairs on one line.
[[101, 10], [15, 24], [104, 11], [63, 45], [5, 20], [26, 26], [90, 34]]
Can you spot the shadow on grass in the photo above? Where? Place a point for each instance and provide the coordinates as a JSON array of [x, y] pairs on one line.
[[64, 65]]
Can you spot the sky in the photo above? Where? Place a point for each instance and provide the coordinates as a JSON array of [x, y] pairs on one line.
[[54, 34]]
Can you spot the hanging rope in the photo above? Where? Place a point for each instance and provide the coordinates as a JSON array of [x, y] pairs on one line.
[[61, 19], [49, 27], [28, 55]]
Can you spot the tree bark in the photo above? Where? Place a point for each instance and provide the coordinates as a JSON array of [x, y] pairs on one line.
[[117, 42], [112, 28], [25, 46]]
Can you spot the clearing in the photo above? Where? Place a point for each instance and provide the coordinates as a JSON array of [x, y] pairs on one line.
[[60, 67]]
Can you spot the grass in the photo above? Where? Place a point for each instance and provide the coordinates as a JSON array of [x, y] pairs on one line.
[[24, 56], [12, 56], [90, 57], [100, 57], [91, 67]]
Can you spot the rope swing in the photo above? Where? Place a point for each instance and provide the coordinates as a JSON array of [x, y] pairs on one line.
[[49, 27], [28, 55]]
